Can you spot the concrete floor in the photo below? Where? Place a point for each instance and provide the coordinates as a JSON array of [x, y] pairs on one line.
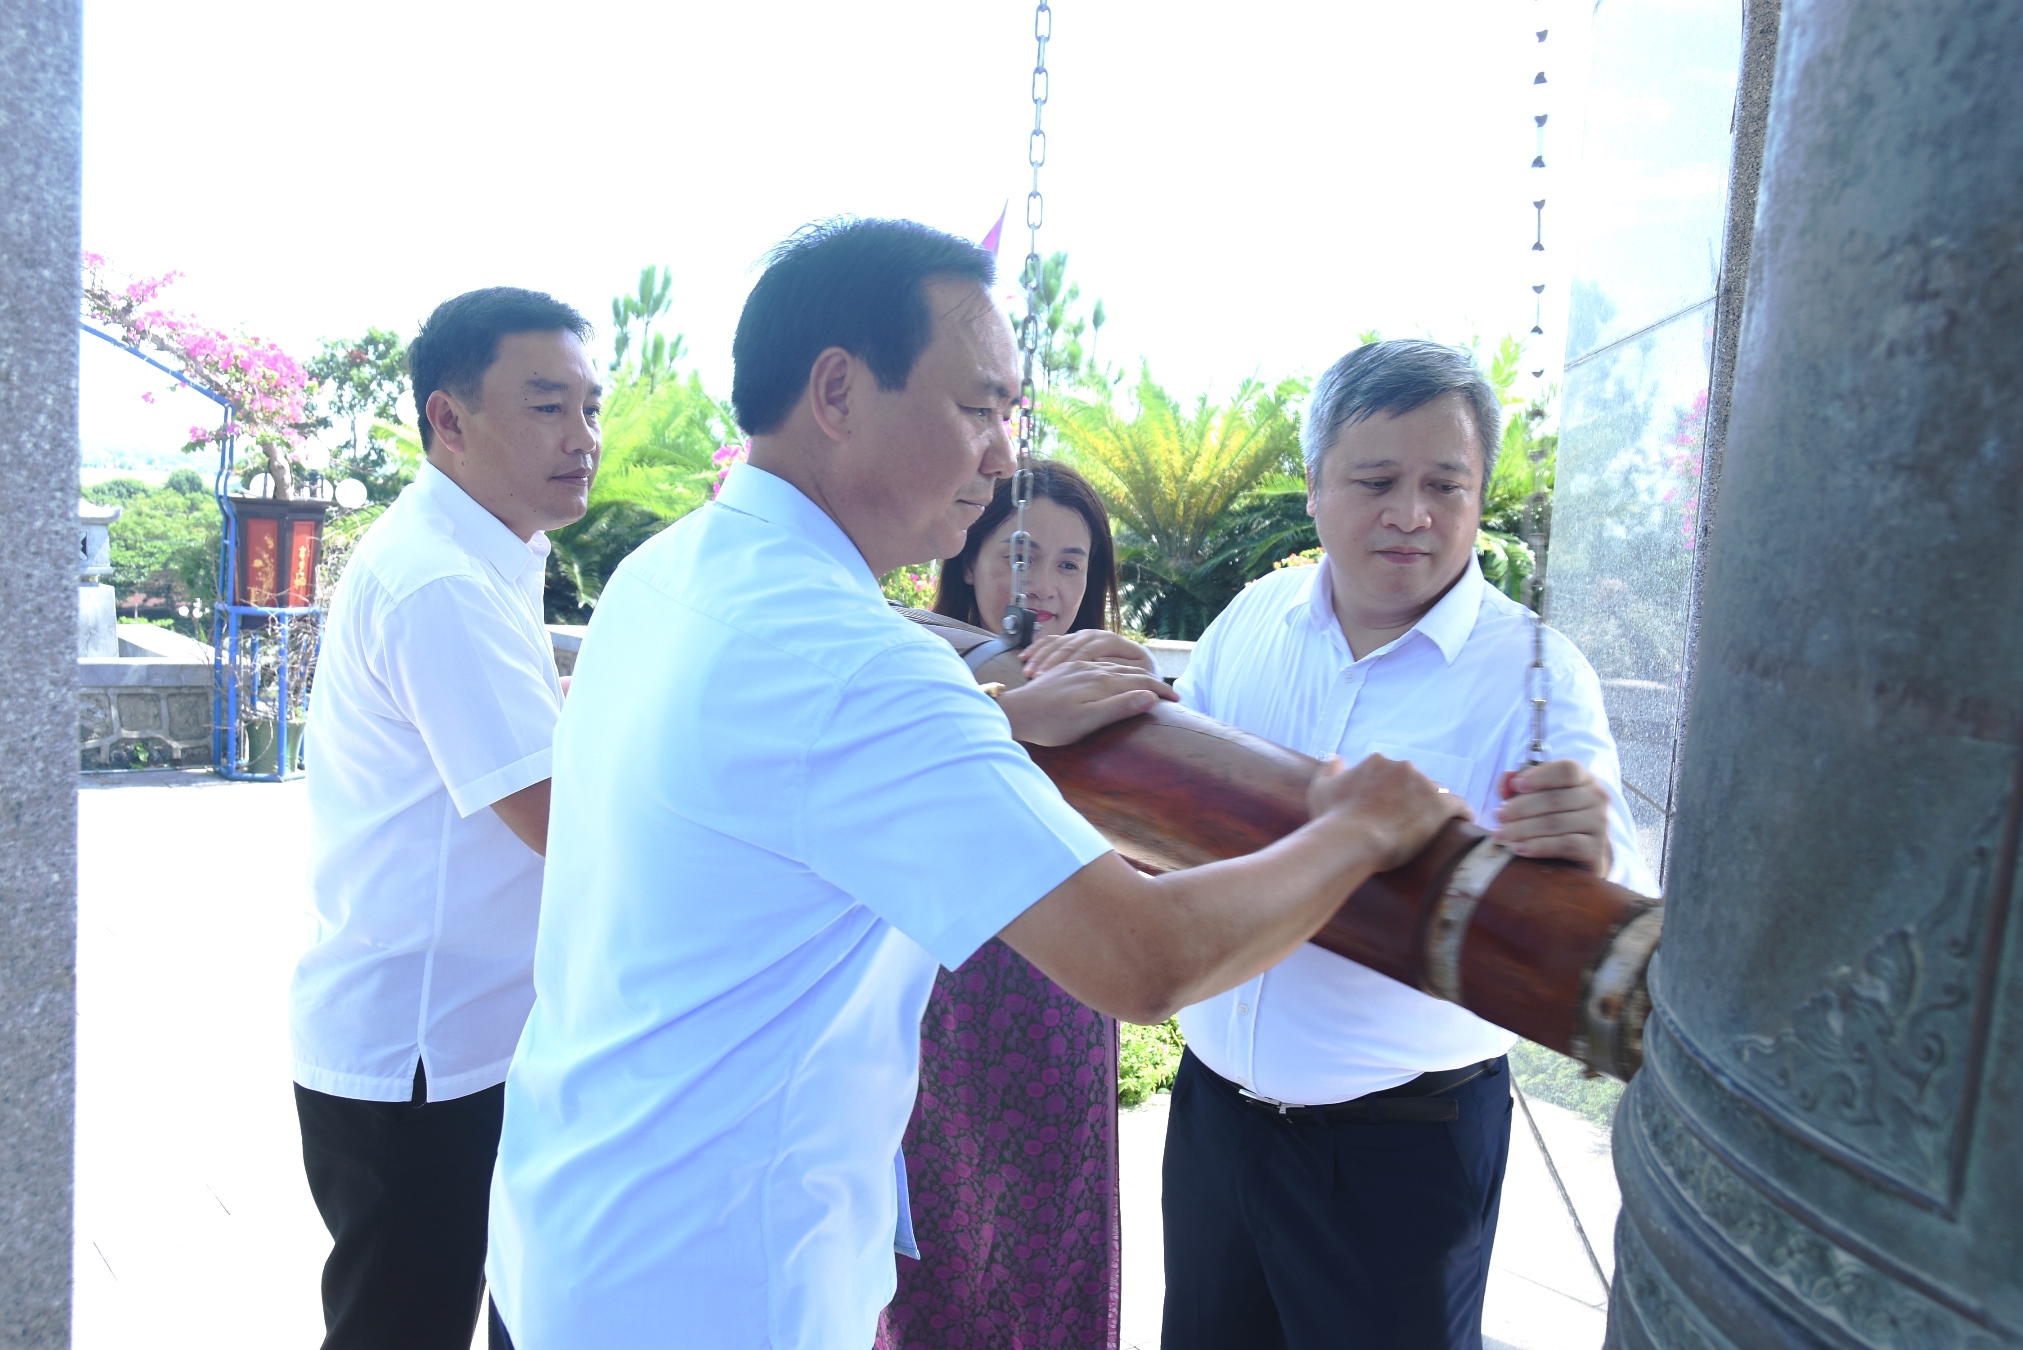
[[194, 1226]]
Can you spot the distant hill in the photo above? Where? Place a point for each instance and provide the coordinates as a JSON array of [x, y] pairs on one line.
[[151, 465]]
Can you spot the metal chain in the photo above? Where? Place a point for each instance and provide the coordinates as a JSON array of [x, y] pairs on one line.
[[1538, 682], [1018, 619]]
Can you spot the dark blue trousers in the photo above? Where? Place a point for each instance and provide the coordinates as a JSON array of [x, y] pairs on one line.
[[1299, 1236]]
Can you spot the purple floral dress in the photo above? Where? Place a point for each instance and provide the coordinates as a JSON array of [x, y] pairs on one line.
[[1011, 1160]]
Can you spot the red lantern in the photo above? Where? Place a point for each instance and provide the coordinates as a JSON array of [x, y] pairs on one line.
[[278, 545]]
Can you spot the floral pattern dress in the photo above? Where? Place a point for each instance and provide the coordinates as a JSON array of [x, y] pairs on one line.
[[1011, 1160]]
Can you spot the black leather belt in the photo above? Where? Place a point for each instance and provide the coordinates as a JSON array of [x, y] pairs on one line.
[[1421, 1101]]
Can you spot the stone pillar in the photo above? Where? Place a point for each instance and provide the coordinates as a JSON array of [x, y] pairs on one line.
[[97, 604], [1825, 1146], [40, 112]]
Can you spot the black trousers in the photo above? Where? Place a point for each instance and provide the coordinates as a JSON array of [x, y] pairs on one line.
[[404, 1188], [1341, 1235]]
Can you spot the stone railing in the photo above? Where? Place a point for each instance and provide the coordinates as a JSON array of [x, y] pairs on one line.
[[148, 707], [1170, 658]]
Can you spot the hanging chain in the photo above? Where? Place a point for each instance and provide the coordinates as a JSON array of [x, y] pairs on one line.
[[1538, 681], [1018, 619]]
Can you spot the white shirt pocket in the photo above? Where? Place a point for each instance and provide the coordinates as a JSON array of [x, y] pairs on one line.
[[1456, 773]]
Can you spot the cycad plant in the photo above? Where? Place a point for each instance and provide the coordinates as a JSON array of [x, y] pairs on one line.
[[1203, 499], [1502, 544], [659, 433]]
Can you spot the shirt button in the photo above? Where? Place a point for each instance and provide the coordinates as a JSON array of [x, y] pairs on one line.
[[1243, 1010]]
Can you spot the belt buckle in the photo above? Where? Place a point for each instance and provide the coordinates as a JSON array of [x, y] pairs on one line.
[[1263, 1100]]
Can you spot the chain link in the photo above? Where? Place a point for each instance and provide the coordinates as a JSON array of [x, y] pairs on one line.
[[1018, 619], [1538, 680]]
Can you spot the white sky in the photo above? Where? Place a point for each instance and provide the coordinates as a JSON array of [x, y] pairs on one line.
[[1246, 187]]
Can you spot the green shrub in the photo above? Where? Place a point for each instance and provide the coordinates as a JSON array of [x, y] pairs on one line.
[[1549, 1077], [164, 546], [1147, 1059]]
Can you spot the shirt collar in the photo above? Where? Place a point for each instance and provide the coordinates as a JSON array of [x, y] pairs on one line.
[[1446, 625], [476, 528], [754, 492]]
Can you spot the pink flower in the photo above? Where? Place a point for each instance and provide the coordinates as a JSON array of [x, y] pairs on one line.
[[724, 458]]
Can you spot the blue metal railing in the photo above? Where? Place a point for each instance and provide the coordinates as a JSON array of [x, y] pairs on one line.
[[227, 617]]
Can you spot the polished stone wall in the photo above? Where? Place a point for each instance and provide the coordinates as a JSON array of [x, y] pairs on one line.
[[1823, 1146], [40, 103], [1647, 240]]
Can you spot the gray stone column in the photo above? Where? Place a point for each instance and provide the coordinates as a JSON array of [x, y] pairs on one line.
[[1825, 1146], [40, 109]]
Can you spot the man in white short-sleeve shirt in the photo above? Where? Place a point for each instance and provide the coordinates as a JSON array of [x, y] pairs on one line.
[[429, 745], [1394, 645], [778, 806]]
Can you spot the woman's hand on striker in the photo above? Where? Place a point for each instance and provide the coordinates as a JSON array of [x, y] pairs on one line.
[[1090, 644], [1074, 699]]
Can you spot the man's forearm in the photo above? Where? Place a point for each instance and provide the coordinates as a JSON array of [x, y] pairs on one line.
[[526, 814], [1140, 948], [1232, 920]]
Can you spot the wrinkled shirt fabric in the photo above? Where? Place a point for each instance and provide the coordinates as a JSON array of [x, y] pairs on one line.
[[778, 806], [1450, 696], [435, 696]]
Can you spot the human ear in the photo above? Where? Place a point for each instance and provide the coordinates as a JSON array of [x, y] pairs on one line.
[[445, 419], [831, 382]]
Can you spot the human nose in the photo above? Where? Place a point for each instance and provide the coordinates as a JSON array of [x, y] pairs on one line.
[[1042, 582], [585, 437], [998, 459], [1408, 512]]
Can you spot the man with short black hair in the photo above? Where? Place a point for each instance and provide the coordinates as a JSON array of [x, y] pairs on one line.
[[779, 805], [429, 744], [1335, 1151]]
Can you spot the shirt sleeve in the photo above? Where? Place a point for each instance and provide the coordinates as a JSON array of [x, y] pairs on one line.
[[923, 808], [1577, 728], [482, 696]]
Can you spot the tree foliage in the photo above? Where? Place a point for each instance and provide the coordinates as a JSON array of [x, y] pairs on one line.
[[662, 431], [1199, 495], [646, 306], [1063, 362], [164, 546], [267, 390], [1148, 1060], [360, 383], [1502, 544]]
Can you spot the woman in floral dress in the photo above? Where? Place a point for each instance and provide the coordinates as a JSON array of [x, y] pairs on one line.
[[1011, 1155]]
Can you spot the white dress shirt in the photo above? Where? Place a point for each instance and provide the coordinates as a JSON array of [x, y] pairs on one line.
[[435, 696], [1449, 696], [777, 806]]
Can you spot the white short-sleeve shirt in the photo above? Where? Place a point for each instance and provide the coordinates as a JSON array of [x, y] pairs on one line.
[[435, 696], [1450, 696], [778, 805]]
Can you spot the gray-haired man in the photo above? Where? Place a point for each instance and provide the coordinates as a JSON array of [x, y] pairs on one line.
[[1337, 1141]]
